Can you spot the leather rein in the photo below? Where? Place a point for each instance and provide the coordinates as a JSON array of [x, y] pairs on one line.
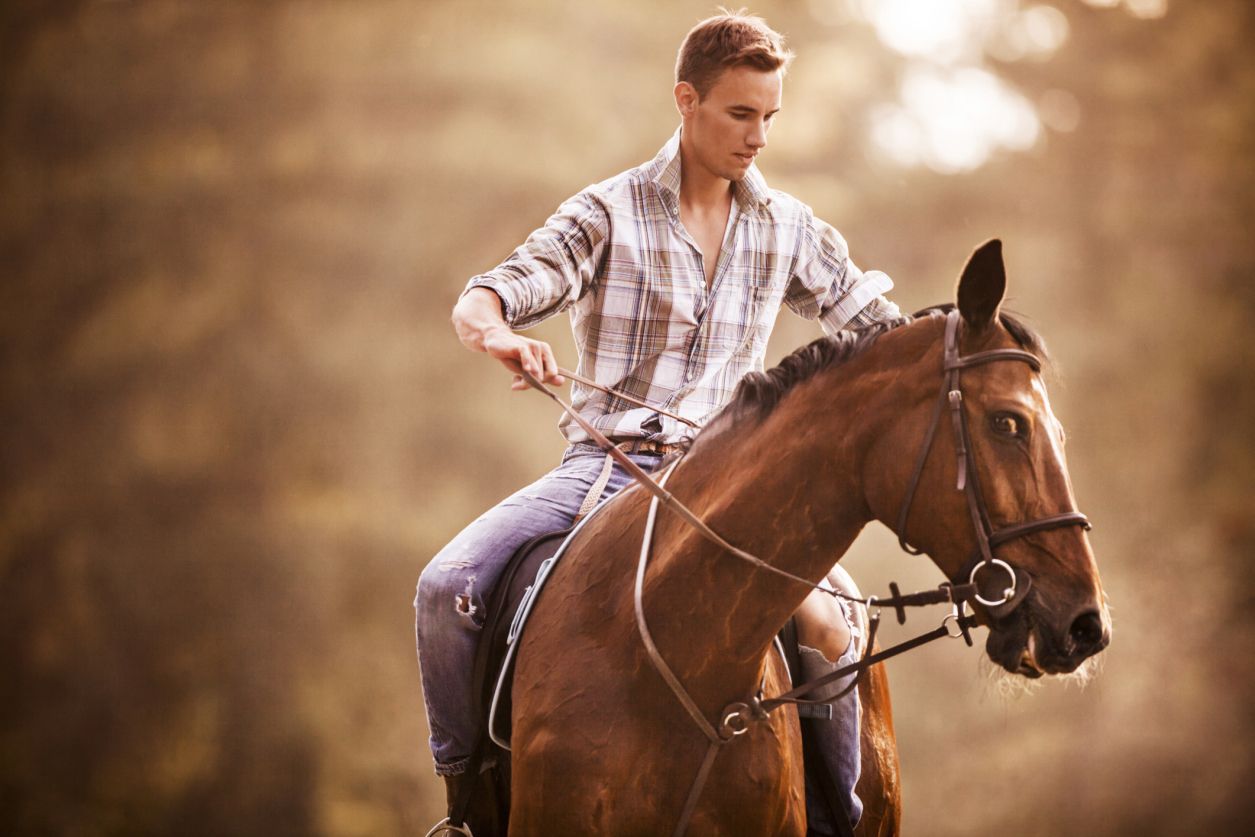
[[736, 718]]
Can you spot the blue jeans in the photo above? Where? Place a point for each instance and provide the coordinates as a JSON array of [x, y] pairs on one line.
[[449, 605]]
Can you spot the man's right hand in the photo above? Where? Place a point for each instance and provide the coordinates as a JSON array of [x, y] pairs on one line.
[[481, 327], [523, 354]]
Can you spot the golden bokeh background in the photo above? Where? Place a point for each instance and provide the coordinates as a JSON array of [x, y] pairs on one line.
[[237, 423]]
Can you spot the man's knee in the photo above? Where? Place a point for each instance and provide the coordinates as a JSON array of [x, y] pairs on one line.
[[447, 591], [822, 625]]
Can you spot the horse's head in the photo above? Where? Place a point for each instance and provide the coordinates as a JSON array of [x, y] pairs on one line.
[[1054, 616]]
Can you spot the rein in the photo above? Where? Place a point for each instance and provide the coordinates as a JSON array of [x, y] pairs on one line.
[[631, 399], [736, 718]]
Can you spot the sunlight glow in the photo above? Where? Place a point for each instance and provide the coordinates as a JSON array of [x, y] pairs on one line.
[[1035, 32], [1147, 8], [1059, 110], [942, 30], [952, 113], [952, 121], [1137, 8]]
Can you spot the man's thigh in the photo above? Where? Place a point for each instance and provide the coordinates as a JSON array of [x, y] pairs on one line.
[[472, 562]]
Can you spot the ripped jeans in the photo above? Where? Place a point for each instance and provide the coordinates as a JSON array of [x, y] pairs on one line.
[[449, 605]]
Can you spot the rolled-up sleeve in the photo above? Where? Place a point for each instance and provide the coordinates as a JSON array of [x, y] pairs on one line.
[[828, 286], [554, 267]]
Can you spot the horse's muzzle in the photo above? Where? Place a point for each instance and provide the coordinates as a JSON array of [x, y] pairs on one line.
[[1023, 643]]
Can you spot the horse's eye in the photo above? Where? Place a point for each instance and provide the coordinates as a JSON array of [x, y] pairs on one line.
[[1006, 424]]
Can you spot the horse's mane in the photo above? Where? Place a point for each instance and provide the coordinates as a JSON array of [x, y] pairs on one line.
[[758, 393]]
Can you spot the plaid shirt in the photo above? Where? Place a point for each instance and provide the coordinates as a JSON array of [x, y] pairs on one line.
[[616, 258]]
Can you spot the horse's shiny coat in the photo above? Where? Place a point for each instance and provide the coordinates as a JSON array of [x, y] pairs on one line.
[[600, 744]]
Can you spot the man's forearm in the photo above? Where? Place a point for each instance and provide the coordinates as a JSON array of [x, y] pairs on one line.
[[481, 326], [477, 315]]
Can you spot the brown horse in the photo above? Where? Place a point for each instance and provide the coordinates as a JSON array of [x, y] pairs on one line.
[[800, 461]]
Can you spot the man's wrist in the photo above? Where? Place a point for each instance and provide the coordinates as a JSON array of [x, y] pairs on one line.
[[493, 331]]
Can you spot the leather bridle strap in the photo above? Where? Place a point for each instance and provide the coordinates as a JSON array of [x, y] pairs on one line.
[[1001, 536], [918, 471], [967, 479], [794, 696]]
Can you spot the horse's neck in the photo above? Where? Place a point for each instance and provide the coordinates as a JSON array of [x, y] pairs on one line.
[[787, 489]]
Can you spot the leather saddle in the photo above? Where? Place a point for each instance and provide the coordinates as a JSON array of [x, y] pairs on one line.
[[483, 804]]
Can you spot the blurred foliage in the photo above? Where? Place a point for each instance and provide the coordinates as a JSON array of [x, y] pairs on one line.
[[237, 423]]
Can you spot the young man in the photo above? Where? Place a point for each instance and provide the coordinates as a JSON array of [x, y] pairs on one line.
[[672, 273]]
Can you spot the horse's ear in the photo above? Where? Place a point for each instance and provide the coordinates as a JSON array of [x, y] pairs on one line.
[[982, 285]]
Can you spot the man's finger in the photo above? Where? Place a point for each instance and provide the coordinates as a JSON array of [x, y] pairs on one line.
[[531, 363], [551, 364]]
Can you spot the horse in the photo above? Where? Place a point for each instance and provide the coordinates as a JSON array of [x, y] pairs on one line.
[[791, 470]]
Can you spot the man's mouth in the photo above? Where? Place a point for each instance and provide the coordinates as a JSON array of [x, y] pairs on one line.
[[749, 158]]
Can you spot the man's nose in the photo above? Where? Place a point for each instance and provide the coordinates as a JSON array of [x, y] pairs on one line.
[[757, 137]]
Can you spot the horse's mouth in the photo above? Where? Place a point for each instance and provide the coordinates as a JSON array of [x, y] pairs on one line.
[[1016, 644], [1028, 660]]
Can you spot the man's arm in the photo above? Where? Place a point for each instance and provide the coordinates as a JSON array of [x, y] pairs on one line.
[[829, 287], [481, 326], [550, 271]]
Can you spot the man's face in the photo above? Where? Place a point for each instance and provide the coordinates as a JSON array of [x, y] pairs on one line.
[[729, 127]]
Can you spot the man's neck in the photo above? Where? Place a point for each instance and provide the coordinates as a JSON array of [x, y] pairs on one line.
[[699, 189]]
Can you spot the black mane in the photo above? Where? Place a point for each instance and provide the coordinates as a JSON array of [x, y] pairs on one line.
[[758, 393]]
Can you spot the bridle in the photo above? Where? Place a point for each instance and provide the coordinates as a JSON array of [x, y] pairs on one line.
[[967, 481], [736, 718]]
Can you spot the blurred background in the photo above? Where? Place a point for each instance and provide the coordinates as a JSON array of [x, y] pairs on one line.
[[238, 424]]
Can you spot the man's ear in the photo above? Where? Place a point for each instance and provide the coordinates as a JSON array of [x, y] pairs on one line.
[[982, 285], [686, 98]]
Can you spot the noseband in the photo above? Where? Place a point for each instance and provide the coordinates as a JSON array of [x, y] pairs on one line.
[[986, 536]]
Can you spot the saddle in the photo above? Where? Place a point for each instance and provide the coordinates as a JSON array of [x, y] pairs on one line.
[[483, 803]]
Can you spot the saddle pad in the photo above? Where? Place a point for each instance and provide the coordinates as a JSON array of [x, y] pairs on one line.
[[508, 607]]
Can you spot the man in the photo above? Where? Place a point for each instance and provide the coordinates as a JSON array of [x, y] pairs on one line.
[[672, 273]]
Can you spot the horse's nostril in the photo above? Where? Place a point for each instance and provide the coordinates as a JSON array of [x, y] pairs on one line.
[[1087, 634]]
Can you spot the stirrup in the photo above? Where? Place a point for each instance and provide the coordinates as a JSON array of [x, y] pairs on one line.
[[443, 827]]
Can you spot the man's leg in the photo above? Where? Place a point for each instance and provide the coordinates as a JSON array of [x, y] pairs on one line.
[[828, 639], [449, 605]]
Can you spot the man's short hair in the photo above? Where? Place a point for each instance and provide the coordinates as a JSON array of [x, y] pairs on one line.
[[729, 39]]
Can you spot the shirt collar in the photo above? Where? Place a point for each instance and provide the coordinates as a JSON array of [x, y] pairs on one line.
[[664, 170]]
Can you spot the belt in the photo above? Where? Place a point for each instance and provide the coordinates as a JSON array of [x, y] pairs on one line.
[[648, 446]]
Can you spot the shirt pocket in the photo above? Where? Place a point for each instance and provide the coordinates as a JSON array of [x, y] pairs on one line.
[[762, 308], [743, 321]]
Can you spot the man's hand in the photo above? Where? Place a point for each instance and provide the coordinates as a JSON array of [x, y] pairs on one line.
[[481, 327], [519, 353]]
